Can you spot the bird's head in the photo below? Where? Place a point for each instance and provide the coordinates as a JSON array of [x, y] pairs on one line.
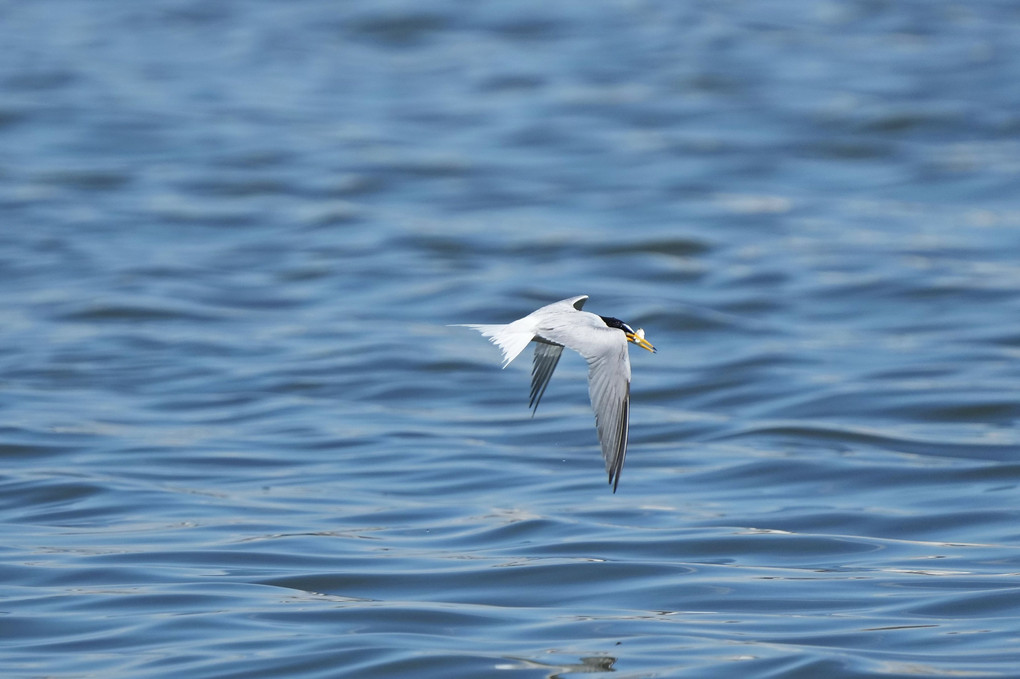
[[635, 336]]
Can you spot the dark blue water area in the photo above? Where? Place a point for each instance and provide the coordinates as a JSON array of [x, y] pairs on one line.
[[238, 437]]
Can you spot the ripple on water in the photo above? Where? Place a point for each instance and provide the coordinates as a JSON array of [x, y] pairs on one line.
[[238, 438]]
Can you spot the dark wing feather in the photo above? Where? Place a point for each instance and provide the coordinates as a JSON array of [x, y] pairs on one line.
[[546, 357]]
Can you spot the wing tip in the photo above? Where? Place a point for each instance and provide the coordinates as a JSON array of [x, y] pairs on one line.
[[616, 469]]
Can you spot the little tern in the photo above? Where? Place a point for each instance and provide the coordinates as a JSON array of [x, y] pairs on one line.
[[602, 341]]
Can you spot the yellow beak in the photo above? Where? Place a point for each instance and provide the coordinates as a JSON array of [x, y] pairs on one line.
[[638, 338]]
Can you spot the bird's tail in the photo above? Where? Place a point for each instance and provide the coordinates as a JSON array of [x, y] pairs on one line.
[[510, 338]]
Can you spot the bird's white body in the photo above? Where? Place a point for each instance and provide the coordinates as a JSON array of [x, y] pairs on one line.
[[563, 324]]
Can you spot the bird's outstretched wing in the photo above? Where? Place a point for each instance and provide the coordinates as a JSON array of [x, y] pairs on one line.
[[546, 357], [609, 386]]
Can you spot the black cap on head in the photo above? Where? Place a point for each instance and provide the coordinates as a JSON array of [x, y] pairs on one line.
[[617, 323]]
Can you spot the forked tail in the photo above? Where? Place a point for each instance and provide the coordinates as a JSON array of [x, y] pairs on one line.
[[510, 338]]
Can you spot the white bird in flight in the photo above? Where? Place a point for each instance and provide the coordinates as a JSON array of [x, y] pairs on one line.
[[602, 341]]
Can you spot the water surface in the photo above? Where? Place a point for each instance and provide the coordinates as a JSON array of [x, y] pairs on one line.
[[238, 438]]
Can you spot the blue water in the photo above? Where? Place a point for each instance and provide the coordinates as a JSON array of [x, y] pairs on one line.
[[238, 439]]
